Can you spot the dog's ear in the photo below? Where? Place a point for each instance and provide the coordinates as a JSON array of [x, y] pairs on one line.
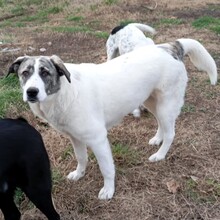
[[15, 65], [60, 67]]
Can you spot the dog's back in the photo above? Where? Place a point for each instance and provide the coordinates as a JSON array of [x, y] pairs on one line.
[[24, 163], [21, 146], [126, 38]]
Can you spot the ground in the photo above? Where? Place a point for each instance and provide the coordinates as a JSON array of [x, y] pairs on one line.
[[184, 186]]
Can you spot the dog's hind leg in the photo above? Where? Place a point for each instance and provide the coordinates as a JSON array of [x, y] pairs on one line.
[[167, 112], [8, 207], [80, 150], [151, 105], [102, 150], [41, 197]]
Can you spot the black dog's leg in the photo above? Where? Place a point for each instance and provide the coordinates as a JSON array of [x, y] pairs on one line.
[[8, 207], [43, 201]]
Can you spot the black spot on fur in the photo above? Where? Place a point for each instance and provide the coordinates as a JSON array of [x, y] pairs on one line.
[[175, 49], [116, 29]]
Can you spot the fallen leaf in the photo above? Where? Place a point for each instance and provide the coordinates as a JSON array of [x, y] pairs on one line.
[[173, 186], [194, 178]]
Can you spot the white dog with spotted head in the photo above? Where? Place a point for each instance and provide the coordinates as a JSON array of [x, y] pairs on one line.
[[83, 101], [126, 38]]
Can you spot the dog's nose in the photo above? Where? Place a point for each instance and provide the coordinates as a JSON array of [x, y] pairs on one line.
[[32, 92]]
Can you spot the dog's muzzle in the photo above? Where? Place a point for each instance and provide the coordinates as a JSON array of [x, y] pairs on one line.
[[32, 93]]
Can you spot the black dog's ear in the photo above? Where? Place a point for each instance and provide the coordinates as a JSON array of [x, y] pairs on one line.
[[15, 65], [59, 65]]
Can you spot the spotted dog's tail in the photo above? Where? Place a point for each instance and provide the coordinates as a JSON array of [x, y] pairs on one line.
[[143, 27], [200, 57]]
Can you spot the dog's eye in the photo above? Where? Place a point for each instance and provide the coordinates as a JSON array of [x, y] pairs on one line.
[[44, 73], [25, 73]]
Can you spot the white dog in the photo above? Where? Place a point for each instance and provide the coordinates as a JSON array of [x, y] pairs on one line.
[[126, 38], [85, 100]]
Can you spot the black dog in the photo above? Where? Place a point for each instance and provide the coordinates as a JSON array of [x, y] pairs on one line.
[[24, 163]]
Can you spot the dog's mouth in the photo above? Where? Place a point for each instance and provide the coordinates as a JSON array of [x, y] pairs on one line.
[[32, 100]]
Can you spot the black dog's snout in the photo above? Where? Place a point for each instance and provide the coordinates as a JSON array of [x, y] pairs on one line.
[[32, 92]]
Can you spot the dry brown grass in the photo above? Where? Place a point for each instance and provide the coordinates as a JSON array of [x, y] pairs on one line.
[[141, 187]]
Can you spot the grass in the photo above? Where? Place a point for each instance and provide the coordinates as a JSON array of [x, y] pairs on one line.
[[18, 10], [203, 191], [125, 155], [57, 177], [188, 108], [39, 14], [69, 29], [68, 152], [42, 15], [110, 2], [10, 95], [207, 22], [74, 29], [19, 196], [170, 21], [100, 34], [125, 22], [74, 18]]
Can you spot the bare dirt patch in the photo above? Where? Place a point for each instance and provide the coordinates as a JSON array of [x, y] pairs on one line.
[[141, 187]]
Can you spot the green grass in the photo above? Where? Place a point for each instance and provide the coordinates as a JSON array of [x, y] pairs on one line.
[[170, 21], [84, 29], [74, 18], [10, 95], [125, 22], [100, 34], [57, 177], [6, 23], [19, 197], [68, 152], [207, 22], [69, 29], [110, 2], [42, 15], [9, 23], [188, 108], [122, 155], [204, 191], [125, 155], [18, 10]]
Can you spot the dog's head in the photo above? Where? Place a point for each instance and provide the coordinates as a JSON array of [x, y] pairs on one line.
[[39, 76]]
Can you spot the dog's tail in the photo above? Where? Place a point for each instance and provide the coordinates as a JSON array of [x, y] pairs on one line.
[[200, 57], [143, 27]]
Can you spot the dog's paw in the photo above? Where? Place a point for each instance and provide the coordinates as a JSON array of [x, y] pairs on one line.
[[136, 113], [156, 157], [106, 193], [155, 141], [75, 175]]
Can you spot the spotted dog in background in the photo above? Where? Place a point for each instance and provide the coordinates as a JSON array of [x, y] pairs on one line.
[[126, 38]]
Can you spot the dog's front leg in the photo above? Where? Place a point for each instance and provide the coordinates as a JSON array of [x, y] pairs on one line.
[[80, 150], [102, 151]]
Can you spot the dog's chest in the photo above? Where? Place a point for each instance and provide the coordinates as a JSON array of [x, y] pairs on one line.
[[53, 115]]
